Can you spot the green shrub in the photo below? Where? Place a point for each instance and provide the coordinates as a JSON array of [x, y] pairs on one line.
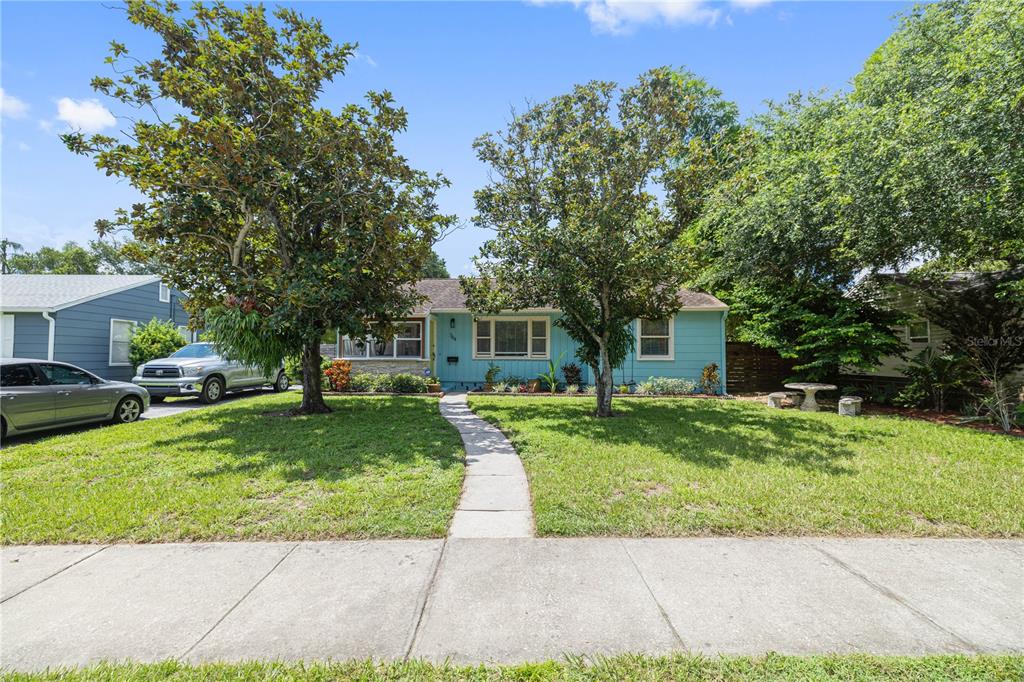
[[666, 386], [153, 340], [362, 383], [401, 383], [293, 368], [710, 379]]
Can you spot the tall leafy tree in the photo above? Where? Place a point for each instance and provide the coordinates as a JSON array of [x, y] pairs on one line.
[[923, 159], [280, 218], [435, 267], [591, 192], [772, 245]]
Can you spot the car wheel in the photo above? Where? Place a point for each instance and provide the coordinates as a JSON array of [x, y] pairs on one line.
[[156, 398], [281, 384], [128, 410], [213, 390]]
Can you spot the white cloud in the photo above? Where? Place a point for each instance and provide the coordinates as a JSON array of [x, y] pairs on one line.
[[87, 115], [366, 58], [23, 147], [620, 17], [11, 106], [46, 125]]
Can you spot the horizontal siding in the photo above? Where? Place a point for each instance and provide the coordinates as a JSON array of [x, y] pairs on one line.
[[83, 331], [31, 335], [469, 373], [697, 342]]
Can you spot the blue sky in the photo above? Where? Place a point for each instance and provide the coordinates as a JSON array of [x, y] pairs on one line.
[[457, 67]]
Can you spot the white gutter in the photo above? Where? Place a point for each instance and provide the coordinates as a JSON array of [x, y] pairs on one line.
[[49, 340]]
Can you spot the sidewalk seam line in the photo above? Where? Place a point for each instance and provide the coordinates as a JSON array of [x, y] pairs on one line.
[[240, 600], [661, 610], [427, 594], [53, 575], [892, 595]]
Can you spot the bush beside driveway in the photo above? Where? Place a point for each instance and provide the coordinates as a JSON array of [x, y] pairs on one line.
[[708, 467], [375, 467]]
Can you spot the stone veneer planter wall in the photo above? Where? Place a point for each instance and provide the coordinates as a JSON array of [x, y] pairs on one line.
[[390, 366]]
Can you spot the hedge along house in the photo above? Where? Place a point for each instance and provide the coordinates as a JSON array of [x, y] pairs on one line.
[[86, 320], [444, 339]]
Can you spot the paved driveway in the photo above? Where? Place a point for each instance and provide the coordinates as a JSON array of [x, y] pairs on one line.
[[156, 410]]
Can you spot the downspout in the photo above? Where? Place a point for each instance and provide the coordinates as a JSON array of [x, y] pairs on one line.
[[49, 340], [725, 391]]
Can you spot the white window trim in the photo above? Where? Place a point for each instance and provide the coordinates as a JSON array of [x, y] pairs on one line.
[[671, 344], [928, 333], [529, 338], [110, 344], [165, 293], [9, 326], [422, 338]]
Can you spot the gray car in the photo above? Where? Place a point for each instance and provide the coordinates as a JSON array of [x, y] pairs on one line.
[[39, 394], [197, 369]]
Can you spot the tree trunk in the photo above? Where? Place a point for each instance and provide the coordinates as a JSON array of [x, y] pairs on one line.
[[604, 386], [312, 384]]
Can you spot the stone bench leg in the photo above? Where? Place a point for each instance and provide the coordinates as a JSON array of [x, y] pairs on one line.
[[775, 402]]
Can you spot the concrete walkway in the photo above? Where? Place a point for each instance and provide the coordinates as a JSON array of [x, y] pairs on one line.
[[507, 600], [495, 499]]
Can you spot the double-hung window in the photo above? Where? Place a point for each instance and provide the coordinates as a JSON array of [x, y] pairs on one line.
[[120, 342], [918, 332], [654, 339], [406, 344], [511, 337]]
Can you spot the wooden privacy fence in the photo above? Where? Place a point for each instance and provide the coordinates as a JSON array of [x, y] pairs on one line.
[[750, 369]]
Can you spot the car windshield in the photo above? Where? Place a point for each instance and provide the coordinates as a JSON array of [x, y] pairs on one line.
[[195, 350]]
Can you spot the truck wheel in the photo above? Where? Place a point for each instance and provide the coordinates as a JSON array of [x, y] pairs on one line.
[[213, 390], [281, 384], [128, 410]]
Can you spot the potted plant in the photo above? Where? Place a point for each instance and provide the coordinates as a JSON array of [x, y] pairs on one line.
[[490, 376], [433, 386]]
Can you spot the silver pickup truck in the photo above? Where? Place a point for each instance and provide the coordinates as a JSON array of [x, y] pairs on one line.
[[196, 369]]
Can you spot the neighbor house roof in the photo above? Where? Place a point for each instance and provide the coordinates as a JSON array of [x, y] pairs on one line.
[[446, 295], [53, 292]]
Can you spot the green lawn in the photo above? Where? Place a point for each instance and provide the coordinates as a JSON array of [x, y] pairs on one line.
[[700, 467], [375, 467], [680, 667]]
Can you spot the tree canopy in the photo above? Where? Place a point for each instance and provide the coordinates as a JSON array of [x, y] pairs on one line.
[[921, 161], [100, 257], [590, 193], [280, 218]]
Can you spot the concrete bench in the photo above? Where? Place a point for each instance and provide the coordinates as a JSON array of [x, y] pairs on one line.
[[775, 399]]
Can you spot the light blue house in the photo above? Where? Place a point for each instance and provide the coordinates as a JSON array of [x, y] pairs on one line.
[[86, 320], [445, 339]]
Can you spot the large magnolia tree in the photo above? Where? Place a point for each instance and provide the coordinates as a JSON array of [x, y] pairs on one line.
[[280, 218], [589, 195]]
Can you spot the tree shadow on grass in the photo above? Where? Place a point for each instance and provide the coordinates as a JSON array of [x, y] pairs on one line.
[[706, 433], [362, 436]]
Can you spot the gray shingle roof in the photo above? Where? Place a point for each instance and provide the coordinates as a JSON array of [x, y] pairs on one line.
[[49, 292], [446, 294]]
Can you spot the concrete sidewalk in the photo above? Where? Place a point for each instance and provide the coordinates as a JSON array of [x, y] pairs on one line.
[[508, 600]]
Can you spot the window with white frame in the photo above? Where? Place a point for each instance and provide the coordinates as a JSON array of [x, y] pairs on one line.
[[165, 293], [406, 344], [120, 342], [919, 331], [186, 333], [511, 337], [654, 339]]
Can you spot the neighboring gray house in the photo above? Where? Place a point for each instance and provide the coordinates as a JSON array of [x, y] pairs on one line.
[[86, 320]]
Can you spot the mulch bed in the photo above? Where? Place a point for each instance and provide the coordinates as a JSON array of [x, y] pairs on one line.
[[947, 418]]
